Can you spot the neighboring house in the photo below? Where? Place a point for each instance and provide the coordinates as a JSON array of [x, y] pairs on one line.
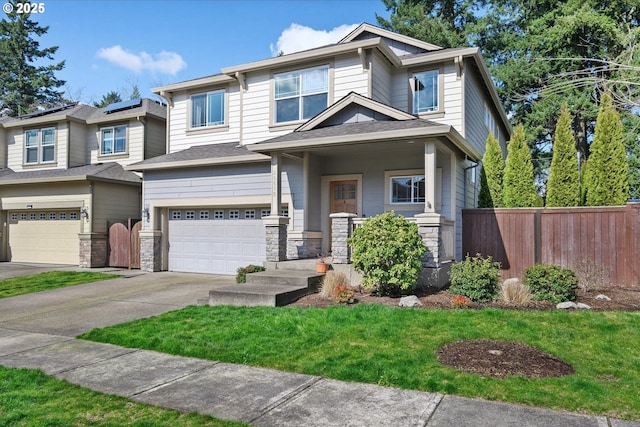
[[260, 156], [62, 178]]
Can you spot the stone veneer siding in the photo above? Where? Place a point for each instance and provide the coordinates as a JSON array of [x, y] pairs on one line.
[[276, 242], [340, 232], [150, 250], [93, 250]]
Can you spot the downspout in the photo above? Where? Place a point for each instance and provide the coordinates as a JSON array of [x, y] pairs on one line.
[[243, 87]]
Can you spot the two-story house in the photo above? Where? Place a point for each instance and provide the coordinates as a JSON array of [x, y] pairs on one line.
[[279, 159], [62, 178]]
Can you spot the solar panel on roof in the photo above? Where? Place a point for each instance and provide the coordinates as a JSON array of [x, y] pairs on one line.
[[45, 112], [123, 105]]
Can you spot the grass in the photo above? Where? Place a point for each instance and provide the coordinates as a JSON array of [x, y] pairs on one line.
[[30, 398], [50, 280], [394, 347]]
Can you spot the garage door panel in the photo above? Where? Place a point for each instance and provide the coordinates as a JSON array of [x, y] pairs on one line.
[[215, 246], [50, 241]]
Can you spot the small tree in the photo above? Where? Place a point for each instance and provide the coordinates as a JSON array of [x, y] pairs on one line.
[[519, 190], [108, 99], [491, 175], [607, 177], [563, 187], [388, 250]]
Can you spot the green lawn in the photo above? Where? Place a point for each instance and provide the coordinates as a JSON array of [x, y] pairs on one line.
[[396, 347], [30, 398], [50, 280]]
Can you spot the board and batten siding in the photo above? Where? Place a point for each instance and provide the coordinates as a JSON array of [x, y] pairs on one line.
[[113, 202], [380, 79], [15, 147], [78, 151], [156, 138]]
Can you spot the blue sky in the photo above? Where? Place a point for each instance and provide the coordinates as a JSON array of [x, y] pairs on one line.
[[112, 45]]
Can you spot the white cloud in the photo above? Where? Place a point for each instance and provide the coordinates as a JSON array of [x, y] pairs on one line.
[[298, 37], [163, 62]]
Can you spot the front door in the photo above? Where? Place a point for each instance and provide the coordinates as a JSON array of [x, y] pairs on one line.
[[343, 197]]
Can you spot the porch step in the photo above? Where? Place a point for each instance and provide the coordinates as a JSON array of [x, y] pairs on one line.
[[272, 288], [297, 265]]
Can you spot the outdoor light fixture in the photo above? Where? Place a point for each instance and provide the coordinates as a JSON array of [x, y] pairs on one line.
[[145, 214], [29, 206], [84, 212]]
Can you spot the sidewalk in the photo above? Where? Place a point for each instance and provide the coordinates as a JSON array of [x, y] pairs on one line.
[[38, 330]]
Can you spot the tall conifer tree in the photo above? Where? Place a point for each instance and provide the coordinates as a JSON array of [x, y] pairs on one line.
[[491, 176], [519, 190], [563, 186]]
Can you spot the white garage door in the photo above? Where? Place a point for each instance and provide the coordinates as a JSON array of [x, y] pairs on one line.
[[47, 237], [215, 246]]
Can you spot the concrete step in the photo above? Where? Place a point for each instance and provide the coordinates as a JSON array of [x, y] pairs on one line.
[[256, 294], [286, 277], [298, 264]]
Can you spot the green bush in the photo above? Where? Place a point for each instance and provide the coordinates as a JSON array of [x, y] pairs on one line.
[[388, 251], [477, 278], [551, 283], [241, 276]]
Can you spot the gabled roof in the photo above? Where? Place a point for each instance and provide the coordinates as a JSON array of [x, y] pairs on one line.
[[381, 32], [400, 126], [353, 98], [200, 155], [106, 172]]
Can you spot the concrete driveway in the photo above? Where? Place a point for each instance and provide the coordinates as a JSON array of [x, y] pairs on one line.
[[77, 309]]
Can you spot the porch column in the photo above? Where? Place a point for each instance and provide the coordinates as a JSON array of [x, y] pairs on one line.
[[276, 184], [430, 176], [150, 250], [341, 226]]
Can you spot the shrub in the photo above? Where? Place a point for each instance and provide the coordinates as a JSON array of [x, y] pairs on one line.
[[591, 275], [343, 294], [513, 291], [460, 301], [331, 280], [476, 278], [388, 251], [551, 283], [241, 276]]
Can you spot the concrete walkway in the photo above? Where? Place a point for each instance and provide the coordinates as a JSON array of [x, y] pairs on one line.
[[38, 330]]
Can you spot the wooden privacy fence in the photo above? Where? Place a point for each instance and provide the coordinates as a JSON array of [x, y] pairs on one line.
[[519, 238]]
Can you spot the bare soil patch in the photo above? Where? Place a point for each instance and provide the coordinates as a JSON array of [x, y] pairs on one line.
[[496, 358]]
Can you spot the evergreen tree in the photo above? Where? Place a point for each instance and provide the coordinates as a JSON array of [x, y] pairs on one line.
[[563, 187], [24, 85], [491, 175], [519, 190], [108, 99], [607, 178]]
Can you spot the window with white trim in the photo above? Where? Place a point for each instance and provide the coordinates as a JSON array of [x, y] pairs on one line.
[[218, 214], [425, 92], [14, 216], [23, 216], [490, 122], [249, 214], [39, 146], [113, 140], [52, 215], [300, 94], [234, 214], [207, 109], [176, 215], [33, 216], [62, 216], [43, 216], [284, 212], [73, 215], [203, 215], [265, 212], [407, 189], [190, 215]]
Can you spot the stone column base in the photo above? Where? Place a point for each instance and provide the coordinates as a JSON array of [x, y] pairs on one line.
[[93, 250], [276, 231], [150, 250], [341, 226]]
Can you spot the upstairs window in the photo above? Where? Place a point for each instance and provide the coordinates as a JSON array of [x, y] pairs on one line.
[[407, 189], [300, 95], [39, 146], [113, 140], [207, 109], [425, 92]]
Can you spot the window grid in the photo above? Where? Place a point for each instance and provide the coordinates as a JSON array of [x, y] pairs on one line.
[[73, 215], [113, 140], [62, 215], [14, 217], [249, 214], [43, 215], [234, 214], [407, 189], [23, 216], [32, 216], [265, 212], [176, 215], [207, 109], [39, 146], [203, 214], [190, 215], [218, 214], [301, 94], [284, 212], [52, 215]]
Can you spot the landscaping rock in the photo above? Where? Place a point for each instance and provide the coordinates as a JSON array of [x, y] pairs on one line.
[[410, 301], [583, 306], [566, 305], [511, 281], [603, 297]]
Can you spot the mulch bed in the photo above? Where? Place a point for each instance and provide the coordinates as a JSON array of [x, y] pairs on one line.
[[496, 359]]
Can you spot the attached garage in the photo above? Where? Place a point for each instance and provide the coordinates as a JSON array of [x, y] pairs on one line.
[[213, 243], [47, 237]]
